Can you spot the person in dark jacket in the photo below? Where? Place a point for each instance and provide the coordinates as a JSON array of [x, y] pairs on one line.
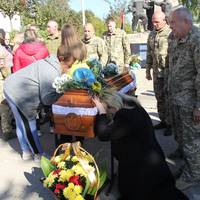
[[29, 51], [143, 173]]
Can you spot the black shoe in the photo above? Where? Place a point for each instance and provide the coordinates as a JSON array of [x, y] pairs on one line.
[[161, 125], [8, 136], [167, 131]]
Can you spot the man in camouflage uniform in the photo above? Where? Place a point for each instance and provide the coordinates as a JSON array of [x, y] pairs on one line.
[[95, 45], [118, 46], [157, 46], [184, 91], [5, 112], [54, 39]]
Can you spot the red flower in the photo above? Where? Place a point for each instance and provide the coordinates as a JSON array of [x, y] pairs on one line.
[[56, 191], [57, 171], [75, 180], [60, 186]]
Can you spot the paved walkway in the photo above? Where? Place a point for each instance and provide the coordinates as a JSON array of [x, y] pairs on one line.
[[20, 180]]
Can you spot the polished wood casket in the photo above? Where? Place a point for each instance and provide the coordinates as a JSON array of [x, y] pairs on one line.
[[120, 81], [74, 114]]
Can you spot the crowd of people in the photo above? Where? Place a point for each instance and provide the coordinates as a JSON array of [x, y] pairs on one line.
[[173, 53]]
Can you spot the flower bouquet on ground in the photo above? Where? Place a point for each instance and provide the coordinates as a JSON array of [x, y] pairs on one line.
[[73, 176]]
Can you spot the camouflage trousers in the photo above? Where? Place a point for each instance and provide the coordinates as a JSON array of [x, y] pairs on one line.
[[5, 113], [187, 135], [158, 84]]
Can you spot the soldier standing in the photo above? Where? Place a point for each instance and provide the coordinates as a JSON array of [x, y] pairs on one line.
[[118, 46], [184, 91], [54, 39], [95, 45], [157, 46]]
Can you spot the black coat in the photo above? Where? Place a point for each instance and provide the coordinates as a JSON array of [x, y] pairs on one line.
[[143, 173]]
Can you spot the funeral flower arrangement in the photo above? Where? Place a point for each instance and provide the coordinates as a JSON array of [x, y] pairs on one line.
[[81, 76], [73, 176]]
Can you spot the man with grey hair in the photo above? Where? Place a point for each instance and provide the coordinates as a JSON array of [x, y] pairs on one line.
[[157, 46], [184, 91]]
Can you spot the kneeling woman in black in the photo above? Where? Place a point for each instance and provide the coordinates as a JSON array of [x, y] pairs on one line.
[[143, 173]]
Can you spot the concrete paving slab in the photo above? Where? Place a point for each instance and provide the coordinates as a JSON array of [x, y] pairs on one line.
[[20, 180]]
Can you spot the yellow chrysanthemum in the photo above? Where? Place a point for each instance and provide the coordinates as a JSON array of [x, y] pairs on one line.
[[78, 170], [79, 197], [58, 159], [73, 192], [69, 192], [61, 165], [71, 186], [49, 181], [78, 189], [74, 159], [65, 175], [96, 86]]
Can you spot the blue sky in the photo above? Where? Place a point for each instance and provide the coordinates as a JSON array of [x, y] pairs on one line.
[[99, 7]]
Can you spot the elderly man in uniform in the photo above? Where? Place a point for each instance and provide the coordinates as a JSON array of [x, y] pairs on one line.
[[184, 91], [157, 46], [95, 45], [118, 46], [54, 39]]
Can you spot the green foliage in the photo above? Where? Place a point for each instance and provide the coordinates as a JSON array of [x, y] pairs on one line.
[[194, 7], [98, 24], [11, 7], [116, 7]]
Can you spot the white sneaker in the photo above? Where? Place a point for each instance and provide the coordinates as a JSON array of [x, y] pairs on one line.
[[26, 155], [39, 133]]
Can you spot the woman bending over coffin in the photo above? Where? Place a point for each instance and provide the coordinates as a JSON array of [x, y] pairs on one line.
[[143, 173], [30, 88]]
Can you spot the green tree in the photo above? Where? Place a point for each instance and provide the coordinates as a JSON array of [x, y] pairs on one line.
[[193, 6], [46, 10], [99, 25], [116, 7], [11, 7]]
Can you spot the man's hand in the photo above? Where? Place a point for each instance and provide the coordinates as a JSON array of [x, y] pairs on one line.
[[196, 115], [126, 68], [148, 76]]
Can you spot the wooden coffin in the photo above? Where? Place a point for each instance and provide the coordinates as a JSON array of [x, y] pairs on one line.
[[121, 80], [70, 114]]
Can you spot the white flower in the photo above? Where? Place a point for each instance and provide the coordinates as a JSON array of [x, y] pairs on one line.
[[60, 81]]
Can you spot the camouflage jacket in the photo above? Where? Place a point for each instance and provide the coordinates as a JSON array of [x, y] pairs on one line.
[[184, 69], [6, 62], [53, 43], [118, 47], [157, 46], [96, 48]]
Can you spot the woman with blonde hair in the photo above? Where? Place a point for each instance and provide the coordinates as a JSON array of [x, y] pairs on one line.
[[30, 89], [143, 173]]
